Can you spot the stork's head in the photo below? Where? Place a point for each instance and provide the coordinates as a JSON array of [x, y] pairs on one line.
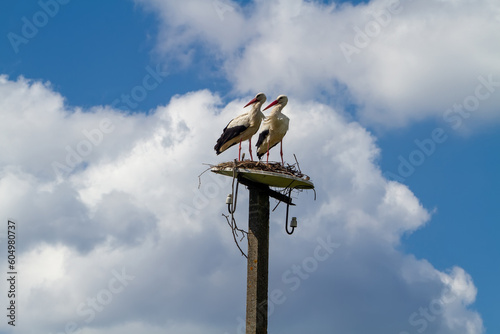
[[261, 97], [281, 101]]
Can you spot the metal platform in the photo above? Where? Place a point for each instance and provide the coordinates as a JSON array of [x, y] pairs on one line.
[[271, 179]]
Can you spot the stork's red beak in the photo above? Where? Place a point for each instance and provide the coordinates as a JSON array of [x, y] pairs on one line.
[[271, 104], [249, 103]]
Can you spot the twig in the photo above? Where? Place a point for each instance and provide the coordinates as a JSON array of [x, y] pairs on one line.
[[234, 229], [199, 176], [298, 166]]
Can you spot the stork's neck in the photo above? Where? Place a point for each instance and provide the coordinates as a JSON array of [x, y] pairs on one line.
[[256, 107], [276, 110]]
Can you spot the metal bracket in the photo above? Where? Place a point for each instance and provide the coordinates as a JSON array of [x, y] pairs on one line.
[[270, 192]]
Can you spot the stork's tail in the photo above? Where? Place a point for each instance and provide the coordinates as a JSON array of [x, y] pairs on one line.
[[218, 146]]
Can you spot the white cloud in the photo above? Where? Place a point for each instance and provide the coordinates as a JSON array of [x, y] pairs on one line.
[[215, 22], [133, 209], [399, 61]]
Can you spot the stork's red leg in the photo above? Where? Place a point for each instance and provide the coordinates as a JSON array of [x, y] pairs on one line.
[[267, 160], [239, 152], [281, 152], [250, 148]]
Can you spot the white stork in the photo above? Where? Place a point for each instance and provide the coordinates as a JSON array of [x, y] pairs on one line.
[[242, 127], [274, 128]]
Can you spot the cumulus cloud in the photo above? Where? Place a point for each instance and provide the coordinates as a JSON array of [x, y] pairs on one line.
[[44, 145], [398, 61], [126, 242]]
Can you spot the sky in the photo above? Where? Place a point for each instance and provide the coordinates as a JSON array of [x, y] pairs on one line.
[[108, 115]]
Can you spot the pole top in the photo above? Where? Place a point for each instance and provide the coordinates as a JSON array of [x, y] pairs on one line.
[[273, 175]]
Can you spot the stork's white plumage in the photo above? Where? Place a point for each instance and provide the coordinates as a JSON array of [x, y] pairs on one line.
[[242, 127], [273, 128]]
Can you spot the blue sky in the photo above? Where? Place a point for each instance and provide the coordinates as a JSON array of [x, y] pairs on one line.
[[359, 102]]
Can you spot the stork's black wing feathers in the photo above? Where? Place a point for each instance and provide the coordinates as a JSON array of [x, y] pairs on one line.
[[262, 137], [227, 135]]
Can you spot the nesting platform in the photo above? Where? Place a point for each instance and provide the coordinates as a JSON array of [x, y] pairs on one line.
[[272, 174]]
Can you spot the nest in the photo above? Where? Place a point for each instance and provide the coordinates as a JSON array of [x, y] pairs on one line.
[[276, 167]]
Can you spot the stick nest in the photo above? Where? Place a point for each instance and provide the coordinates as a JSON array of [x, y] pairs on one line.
[[276, 167]]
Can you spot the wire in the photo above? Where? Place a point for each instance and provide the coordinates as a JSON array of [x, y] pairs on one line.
[[287, 207], [234, 197], [231, 207]]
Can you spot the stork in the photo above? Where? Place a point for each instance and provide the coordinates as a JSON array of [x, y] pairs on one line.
[[242, 127], [274, 128]]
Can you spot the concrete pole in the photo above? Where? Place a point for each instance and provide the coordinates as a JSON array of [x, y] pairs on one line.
[[258, 260]]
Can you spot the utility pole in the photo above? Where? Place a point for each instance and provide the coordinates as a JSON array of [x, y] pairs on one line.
[[258, 260], [258, 183]]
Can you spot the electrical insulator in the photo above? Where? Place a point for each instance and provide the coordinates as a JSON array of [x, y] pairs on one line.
[[229, 199], [293, 222]]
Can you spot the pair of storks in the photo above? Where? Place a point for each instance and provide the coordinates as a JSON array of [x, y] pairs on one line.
[[246, 125]]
